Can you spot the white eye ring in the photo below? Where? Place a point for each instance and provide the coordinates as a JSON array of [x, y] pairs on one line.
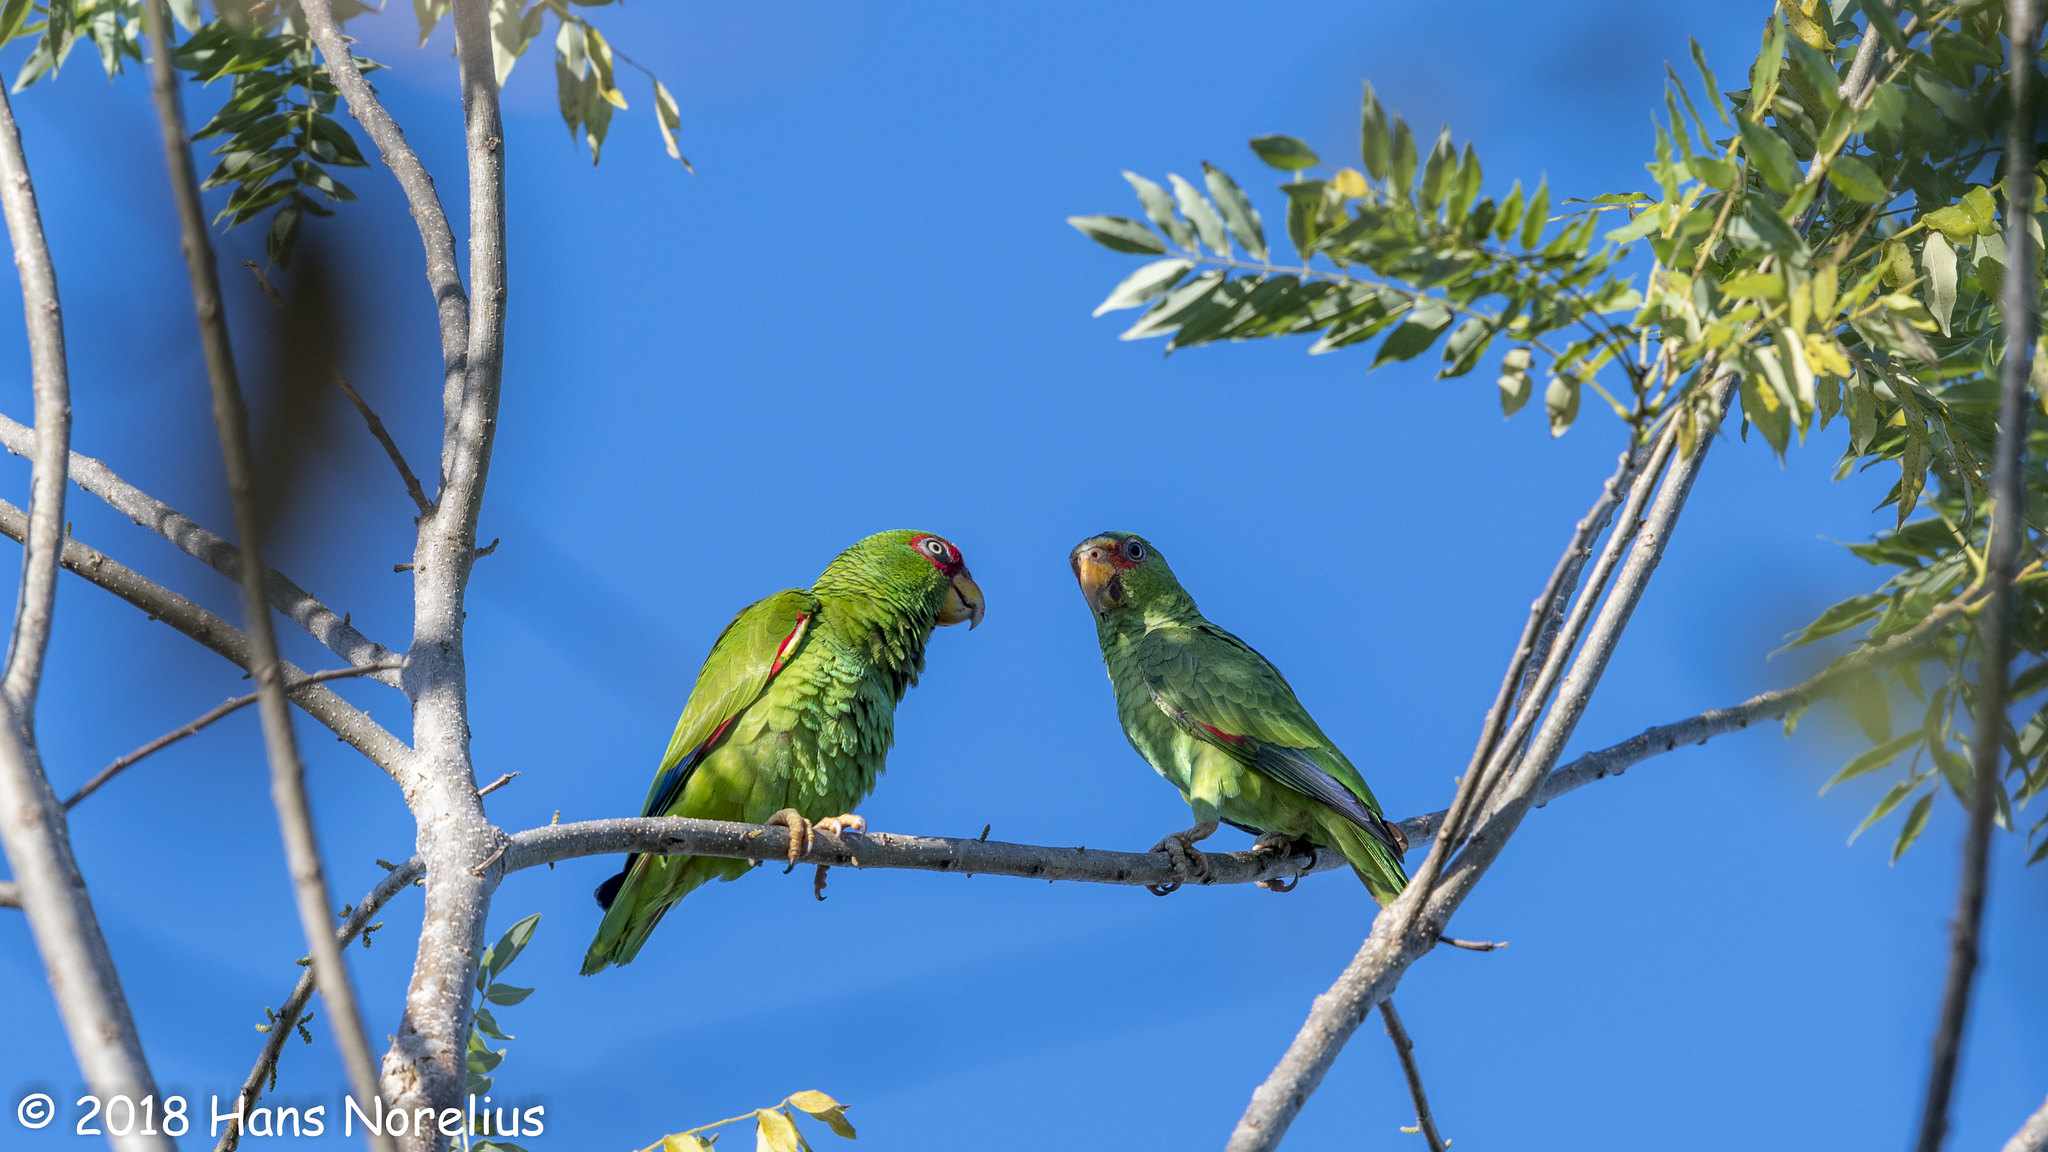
[[1134, 550], [936, 547]]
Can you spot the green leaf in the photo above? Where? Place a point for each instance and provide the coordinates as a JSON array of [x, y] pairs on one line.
[[488, 1025], [1539, 214], [506, 995], [1159, 210], [1436, 171], [1891, 799], [1561, 401], [1118, 233], [1916, 820], [1466, 345], [428, 13], [1872, 760], [1953, 221], [1699, 59], [1763, 74], [1713, 171], [1401, 172], [1938, 261], [1415, 334], [1285, 153], [1200, 213], [1839, 618], [1237, 210], [1375, 148], [1771, 156], [511, 944], [1754, 285], [1857, 180], [1149, 281], [671, 118], [1515, 385]]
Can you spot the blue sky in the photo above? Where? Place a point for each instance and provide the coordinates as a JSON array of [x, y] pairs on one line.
[[866, 312]]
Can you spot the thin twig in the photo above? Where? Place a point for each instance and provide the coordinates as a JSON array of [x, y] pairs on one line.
[[494, 785], [399, 878], [383, 435], [287, 772], [332, 629], [218, 711], [1405, 1049], [2017, 307], [350, 724]]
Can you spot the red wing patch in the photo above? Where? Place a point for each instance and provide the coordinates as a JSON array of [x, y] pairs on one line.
[[803, 620], [1220, 734]]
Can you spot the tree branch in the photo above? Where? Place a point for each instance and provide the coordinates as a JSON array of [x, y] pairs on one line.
[[2033, 1135], [287, 772], [47, 885], [192, 727], [383, 435], [1389, 950], [399, 879], [1404, 1048], [2018, 309], [351, 724], [451, 304], [331, 629]]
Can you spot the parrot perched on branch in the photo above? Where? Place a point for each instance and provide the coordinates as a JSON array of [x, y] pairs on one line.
[[792, 715], [1219, 722]]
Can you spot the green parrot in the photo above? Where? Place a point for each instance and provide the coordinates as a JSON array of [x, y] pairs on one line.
[[1218, 721], [792, 716]]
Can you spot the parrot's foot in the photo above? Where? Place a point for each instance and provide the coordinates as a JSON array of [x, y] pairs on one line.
[[818, 881], [1188, 864], [1273, 844], [847, 822], [799, 834]]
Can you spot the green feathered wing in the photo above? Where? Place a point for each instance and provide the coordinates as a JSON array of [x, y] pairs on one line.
[[760, 643], [1221, 692]]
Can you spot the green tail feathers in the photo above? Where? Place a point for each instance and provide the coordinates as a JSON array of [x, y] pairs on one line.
[[635, 900], [1376, 863]]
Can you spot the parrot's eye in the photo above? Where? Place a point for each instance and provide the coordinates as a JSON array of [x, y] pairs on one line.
[[937, 548], [1134, 551]]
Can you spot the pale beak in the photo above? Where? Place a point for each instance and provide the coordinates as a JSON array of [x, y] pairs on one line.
[[1096, 575], [963, 602]]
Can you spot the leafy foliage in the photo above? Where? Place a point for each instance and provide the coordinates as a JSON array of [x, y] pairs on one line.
[[481, 1060], [775, 1128], [279, 131], [1831, 250]]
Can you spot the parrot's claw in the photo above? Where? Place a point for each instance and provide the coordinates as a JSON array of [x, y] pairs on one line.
[[799, 834], [818, 881], [841, 824], [1188, 864], [1274, 844]]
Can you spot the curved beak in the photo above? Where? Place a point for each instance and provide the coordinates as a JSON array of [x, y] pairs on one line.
[[964, 601], [1096, 574]]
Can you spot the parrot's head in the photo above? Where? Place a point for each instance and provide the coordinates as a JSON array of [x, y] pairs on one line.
[[921, 567], [1122, 574]]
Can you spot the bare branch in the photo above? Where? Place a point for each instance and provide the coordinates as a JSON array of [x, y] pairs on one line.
[[399, 879], [2033, 1135], [383, 435], [52, 437], [500, 782], [1405, 1049], [351, 724], [2018, 313], [193, 726], [47, 884], [451, 304], [1398, 938], [330, 628], [287, 772]]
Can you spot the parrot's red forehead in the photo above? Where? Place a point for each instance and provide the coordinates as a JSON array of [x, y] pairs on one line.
[[939, 551]]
